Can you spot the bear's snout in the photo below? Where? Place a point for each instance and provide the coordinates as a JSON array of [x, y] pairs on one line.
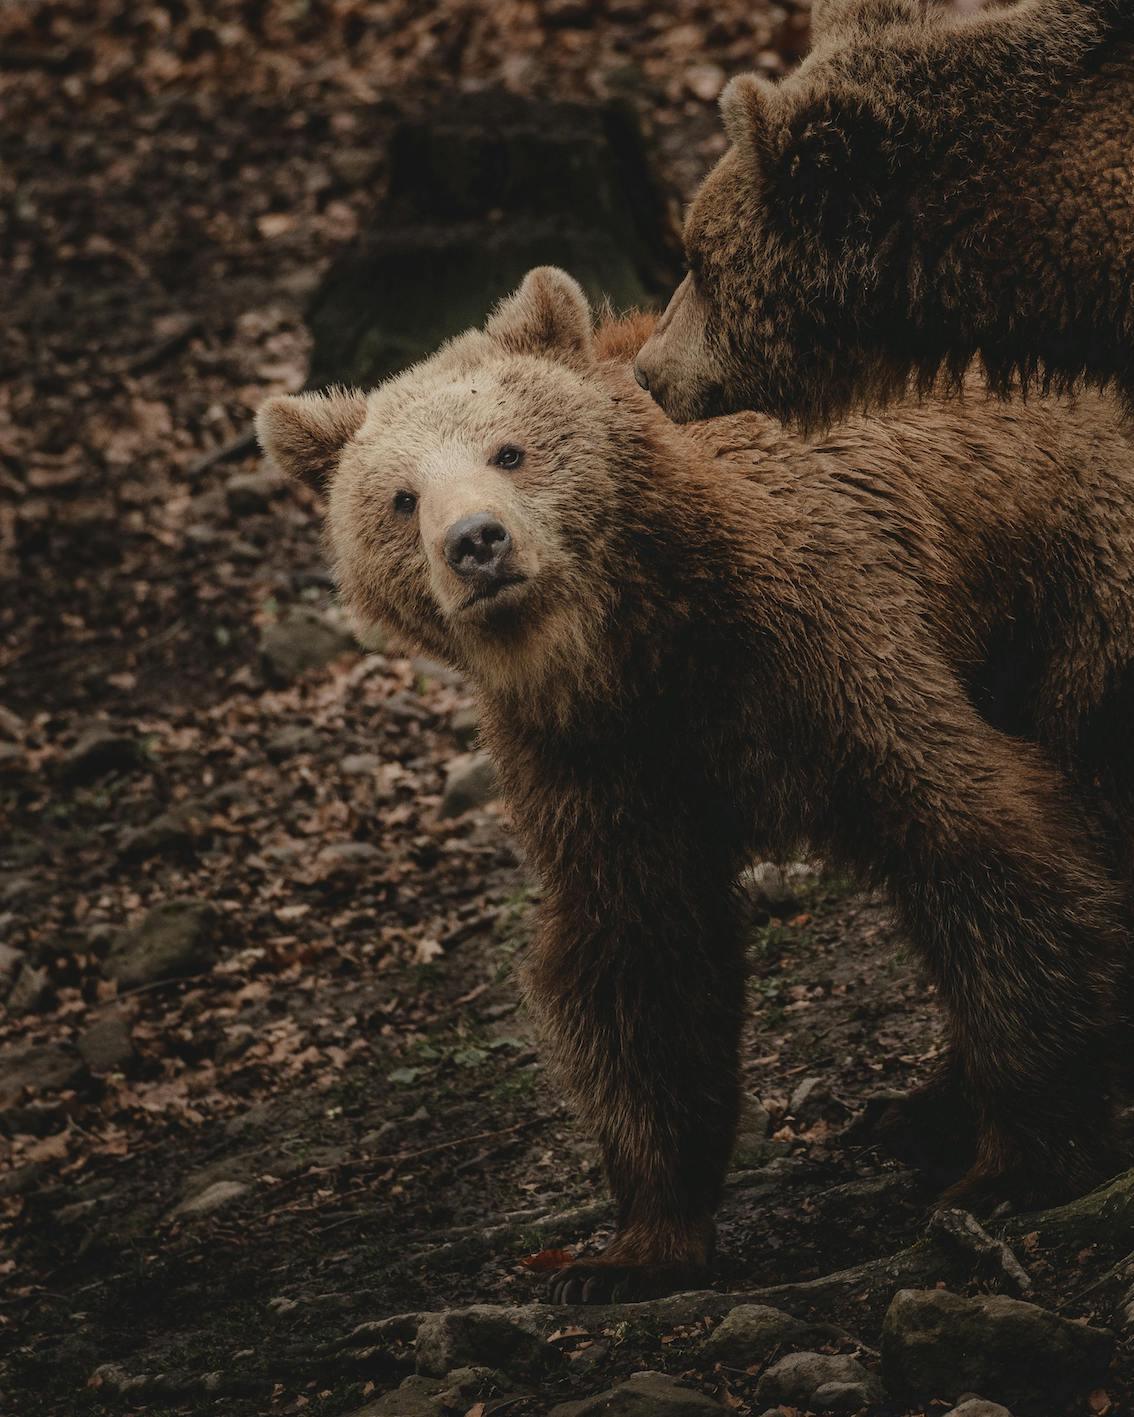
[[478, 548]]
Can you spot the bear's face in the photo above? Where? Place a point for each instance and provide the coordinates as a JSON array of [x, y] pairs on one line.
[[785, 256], [465, 497]]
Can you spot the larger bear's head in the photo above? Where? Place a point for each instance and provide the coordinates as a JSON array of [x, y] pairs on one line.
[[468, 498], [831, 250]]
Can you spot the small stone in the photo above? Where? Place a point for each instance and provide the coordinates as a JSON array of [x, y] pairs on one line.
[[305, 638], [465, 726], [361, 765], [755, 1333], [642, 1395], [978, 1407], [248, 493], [291, 741], [165, 835], [106, 1046], [347, 856], [170, 942], [454, 1338], [470, 781], [43, 1068], [426, 668], [213, 1198], [100, 752], [937, 1344], [355, 167], [796, 1380], [705, 81], [31, 993]]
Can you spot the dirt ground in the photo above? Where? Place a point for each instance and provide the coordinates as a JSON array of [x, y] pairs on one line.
[[331, 1109]]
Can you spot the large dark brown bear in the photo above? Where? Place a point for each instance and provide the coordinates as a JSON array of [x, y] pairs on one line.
[[909, 646], [925, 188]]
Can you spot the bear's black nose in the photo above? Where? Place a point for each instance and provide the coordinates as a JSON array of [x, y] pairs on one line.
[[478, 547], [642, 377]]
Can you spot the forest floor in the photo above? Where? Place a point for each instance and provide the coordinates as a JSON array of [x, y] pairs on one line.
[[263, 1071]]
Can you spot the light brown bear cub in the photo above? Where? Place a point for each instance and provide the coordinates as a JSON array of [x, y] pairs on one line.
[[909, 646], [924, 188]]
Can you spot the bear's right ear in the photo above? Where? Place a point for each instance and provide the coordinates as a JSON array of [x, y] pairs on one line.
[[747, 104], [548, 315], [304, 434]]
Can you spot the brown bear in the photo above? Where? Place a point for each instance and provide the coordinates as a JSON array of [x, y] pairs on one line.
[[927, 187], [909, 646]]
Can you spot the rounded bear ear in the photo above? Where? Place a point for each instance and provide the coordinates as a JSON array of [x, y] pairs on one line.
[[304, 434], [747, 104], [548, 315]]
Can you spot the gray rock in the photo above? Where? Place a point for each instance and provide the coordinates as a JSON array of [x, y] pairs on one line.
[[755, 1334], [347, 856], [426, 668], [289, 742], [165, 835], [173, 940], [31, 993], [41, 1067], [470, 781], [643, 1395], [355, 167], [753, 1146], [798, 1380], [305, 638], [936, 1344], [778, 889], [106, 1046], [361, 765], [100, 752], [978, 1407], [465, 725], [248, 493], [430, 1397], [843, 1397], [456, 1338], [213, 1198]]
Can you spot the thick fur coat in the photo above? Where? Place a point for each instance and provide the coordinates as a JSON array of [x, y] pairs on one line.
[[926, 189], [908, 645]]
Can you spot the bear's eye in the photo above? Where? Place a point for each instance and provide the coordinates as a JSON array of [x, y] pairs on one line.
[[404, 503], [508, 457]]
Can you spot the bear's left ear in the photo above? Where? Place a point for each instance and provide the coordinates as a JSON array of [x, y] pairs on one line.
[[304, 434], [748, 105], [834, 163], [548, 315]]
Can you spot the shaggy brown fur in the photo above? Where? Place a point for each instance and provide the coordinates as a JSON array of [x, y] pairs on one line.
[[908, 646], [925, 188]]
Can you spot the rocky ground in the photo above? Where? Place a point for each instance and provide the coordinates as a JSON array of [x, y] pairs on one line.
[[275, 1134]]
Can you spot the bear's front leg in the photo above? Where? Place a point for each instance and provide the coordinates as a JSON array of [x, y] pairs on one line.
[[644, 1011]]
